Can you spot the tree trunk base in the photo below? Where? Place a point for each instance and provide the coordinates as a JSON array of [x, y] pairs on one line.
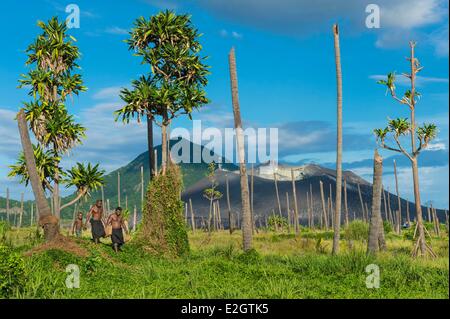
[[50, 224]]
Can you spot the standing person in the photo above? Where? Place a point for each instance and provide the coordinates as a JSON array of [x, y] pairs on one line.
[[77, 227], [95, 218], [117, 223]]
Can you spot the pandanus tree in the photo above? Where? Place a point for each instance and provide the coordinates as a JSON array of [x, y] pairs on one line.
[[169, 44], [420, 137], [52, 57]]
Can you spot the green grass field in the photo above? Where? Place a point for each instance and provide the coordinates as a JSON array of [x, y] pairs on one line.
[[281, 266]]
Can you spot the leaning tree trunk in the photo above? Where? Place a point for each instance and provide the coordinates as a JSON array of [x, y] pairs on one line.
[[420, 244], [49, 223], [376, 231], [246, 217], [337, 211]]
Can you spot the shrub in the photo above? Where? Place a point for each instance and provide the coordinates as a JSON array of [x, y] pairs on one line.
[[12, 271], [387, 226], [4, 227], [276, 222], [163, 228], [357, 230]]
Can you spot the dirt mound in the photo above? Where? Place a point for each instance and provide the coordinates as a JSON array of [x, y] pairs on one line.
[[60, 243]]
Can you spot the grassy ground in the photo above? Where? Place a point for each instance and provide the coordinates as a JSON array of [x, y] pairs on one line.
[[282, 266]]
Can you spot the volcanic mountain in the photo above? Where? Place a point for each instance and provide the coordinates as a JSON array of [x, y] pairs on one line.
[[306, 177]]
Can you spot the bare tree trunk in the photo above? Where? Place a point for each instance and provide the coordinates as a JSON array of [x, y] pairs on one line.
[[408, 219], [288, 212], [151, 158], [156, 163], [308, 209], [436, 223], [163, 149], [294, 194], [134, 218], [56, 206], [228, 203], [376, 232], [142, 187], [311, 205], [324, 210], [21, 210], [362, 203], [399, 216], [31, 214], [251, 200], [337, 213], [246, 217], [103, 195], [7, 202], [345, 203], [277, 194], [46, 220], [385, 206], [118, 189], [192, 216], [331, 207], [391, 219]]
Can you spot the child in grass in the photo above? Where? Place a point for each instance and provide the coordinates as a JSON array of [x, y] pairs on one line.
[[77, 227]]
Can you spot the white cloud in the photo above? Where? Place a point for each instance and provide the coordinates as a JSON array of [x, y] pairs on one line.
[[116, 30], [401, 20], [436, 147], [108, 93], [233, 34]]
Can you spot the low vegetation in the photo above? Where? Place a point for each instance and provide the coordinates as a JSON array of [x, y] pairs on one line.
[[281, 265]]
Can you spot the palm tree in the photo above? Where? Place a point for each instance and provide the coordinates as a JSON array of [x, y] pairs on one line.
[[169, 44], [400, 127], [337, 212], [53, 57], [85, 179], [46, 220], [246, 212]]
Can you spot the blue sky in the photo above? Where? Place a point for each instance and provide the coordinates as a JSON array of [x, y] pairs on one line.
[[286, 76]]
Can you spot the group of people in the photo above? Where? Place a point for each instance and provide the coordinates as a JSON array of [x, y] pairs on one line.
[[95, 218]]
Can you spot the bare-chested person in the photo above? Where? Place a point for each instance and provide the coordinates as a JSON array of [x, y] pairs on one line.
[[77, 227], [95, 218], [117, 223]]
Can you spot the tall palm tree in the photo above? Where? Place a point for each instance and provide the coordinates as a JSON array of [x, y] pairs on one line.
[[246, 213], [52, 80], [397, 128], [53, 55], [337, 212], [49, 224], [169, 43]]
